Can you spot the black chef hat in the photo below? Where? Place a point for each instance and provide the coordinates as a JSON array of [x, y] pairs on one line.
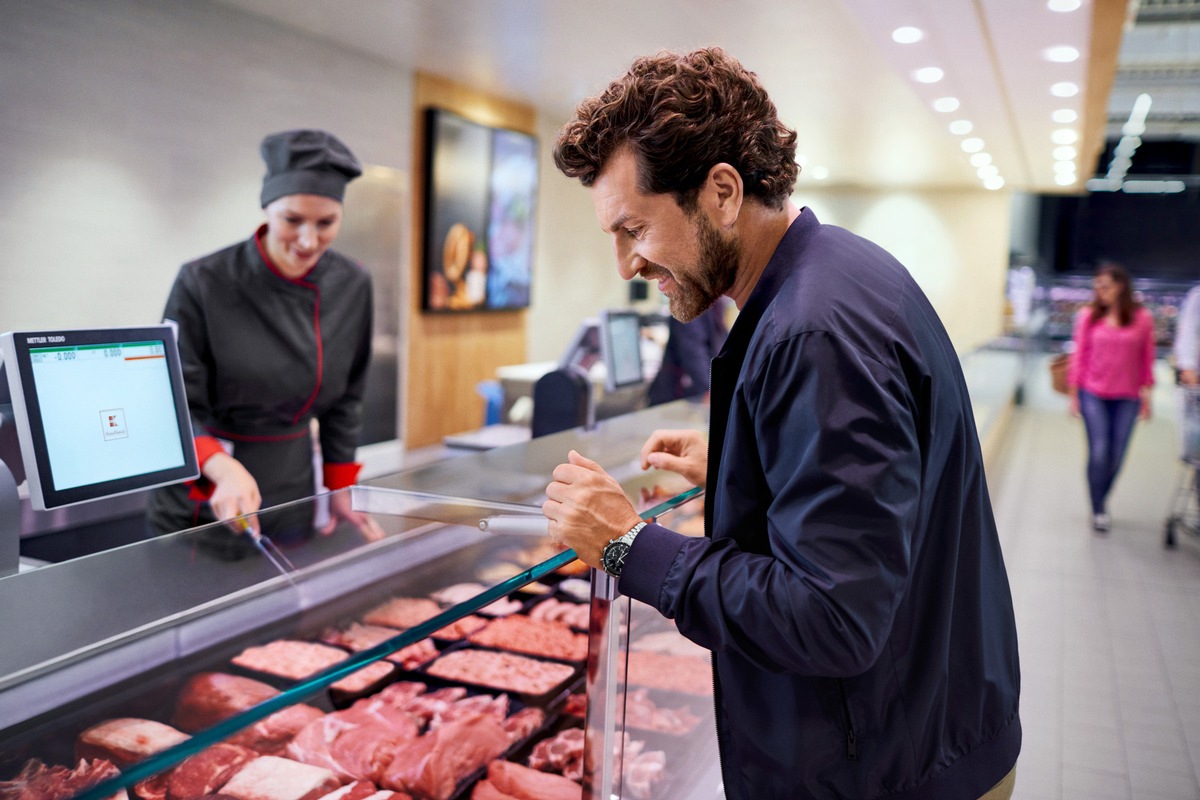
[[306, 162]]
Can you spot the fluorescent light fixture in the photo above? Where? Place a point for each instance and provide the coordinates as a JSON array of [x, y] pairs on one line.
[[993, 183], [980, 160], [1065, 178], [972, 145], [945, 104], [1063, 5], [1152, 187], [1064, 89], [1102, 185], [1064, 116], [961, 127], [907, 35], [1064, 153], [928, 75], [820, 173], [1064, 136], [1062, 54]]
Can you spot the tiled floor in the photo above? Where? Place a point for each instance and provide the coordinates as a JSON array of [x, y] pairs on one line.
[[1109, 625]]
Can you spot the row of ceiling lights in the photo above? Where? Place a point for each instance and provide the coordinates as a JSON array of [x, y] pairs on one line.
[[1064, 138]]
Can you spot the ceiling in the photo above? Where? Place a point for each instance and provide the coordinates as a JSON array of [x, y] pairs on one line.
[[832, 67]]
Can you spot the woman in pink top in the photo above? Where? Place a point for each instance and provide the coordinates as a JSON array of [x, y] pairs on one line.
[[1110, 378]]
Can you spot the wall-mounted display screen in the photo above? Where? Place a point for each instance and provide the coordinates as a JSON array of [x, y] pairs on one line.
[[480, 203], [98, 412]]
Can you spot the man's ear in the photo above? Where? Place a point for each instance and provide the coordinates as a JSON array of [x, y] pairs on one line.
[[722, 194]]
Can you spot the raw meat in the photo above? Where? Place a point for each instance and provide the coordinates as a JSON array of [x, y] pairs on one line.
[[576, 615], [643, 774], [461, 592], [207, 771], [522, 724], [391, 708], [676, 673], [432, 765], [501, 671], [521, 634], [350, 749], [641, 712], [288, 658], [363, 679], [577, 588], [523, 783], [269, 736], [273, 778], [210, 697], [459, 628], [126, 740], [359, 790], [358, 637], [402, 612], [562, 753], [36, 781]]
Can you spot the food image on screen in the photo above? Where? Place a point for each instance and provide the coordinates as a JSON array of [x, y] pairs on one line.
[[504, 671]]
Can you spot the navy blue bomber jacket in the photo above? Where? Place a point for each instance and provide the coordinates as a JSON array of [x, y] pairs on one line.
[[851, 587]]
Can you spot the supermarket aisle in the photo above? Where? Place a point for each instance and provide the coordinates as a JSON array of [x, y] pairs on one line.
[[1109, 625]]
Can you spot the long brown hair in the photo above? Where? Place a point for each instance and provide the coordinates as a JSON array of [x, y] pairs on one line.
[[1125, 303], [681, 113]]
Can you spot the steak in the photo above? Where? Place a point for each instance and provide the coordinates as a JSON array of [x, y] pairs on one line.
[[210, 697], [273, 778]]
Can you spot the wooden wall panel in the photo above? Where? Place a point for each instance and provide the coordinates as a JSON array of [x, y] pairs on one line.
[[1109, 19], [449, 354]]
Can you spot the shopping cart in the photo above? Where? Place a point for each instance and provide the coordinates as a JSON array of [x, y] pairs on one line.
[[1185, 507]]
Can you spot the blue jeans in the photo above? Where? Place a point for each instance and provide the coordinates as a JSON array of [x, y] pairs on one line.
[[1109, 425]]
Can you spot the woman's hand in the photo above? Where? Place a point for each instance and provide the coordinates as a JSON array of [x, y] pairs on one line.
[[340, 509], [236, 492], [1145, 412], [1073, 405], [681, 451]]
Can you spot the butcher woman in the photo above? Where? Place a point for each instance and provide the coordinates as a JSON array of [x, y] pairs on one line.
[[274, 333]]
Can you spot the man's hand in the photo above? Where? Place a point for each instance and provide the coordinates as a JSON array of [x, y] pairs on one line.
[[235, 490], [340, 509], [587, 508], [682, 451]]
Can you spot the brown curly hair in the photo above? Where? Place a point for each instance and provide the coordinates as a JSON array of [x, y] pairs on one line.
[[682, 113]]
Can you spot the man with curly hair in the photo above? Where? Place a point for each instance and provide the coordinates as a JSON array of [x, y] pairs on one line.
[[851, 586]]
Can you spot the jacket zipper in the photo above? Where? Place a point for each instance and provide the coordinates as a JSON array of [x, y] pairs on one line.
[[851, 739]]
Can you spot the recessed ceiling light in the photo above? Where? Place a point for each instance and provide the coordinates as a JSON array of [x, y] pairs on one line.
[[907, 35], [1064, 116], [1064, 89], [1064, 166], [802, 160], [820, 173], [1064, 136], [993, 183], [1065, 178], [972, 145], [961, 127], [946, 104], [980, 160], [1064, 153], [1063, 5], [1062, 54], [928, 75], [988, 171]]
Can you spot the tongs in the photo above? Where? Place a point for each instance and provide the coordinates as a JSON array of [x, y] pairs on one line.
[[266, 546]]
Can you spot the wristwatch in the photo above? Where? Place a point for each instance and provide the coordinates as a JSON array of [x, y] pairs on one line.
[[613, 557]]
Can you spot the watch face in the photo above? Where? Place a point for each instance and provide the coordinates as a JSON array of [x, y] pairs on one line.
[[613, 558]]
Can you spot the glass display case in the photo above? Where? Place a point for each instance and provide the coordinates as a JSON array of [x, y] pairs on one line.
[[412, 660]]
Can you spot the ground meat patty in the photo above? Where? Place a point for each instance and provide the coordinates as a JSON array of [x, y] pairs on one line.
[[504, 671], [522, 634], [288, 658], [402, 612]]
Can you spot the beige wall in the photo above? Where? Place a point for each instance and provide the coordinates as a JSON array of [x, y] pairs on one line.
[[955, 243]]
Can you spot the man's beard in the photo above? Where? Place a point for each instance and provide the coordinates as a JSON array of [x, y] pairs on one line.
[[717, 267]]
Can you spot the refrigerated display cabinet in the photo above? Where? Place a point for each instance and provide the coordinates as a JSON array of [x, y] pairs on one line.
[[122, 633]]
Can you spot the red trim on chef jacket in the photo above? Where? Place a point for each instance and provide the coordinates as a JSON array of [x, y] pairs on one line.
[[339, 476]]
